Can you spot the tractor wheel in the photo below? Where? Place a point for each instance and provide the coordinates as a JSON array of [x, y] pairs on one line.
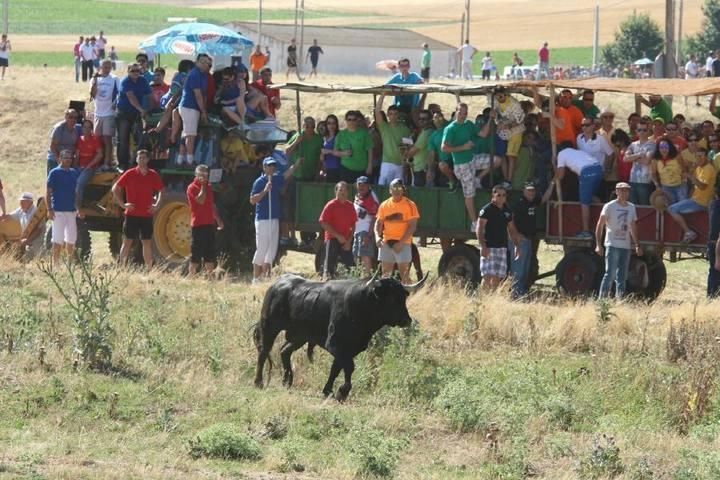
[[171, 229], [578, 274], [461, 262], [646, 277]]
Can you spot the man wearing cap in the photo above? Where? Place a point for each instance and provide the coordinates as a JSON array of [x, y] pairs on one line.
[[494, 224], [265, 195], [525, 220], [30, 242], [366, 207], [61, 186], [703, 179], [395, 225], [338, 220], [618, 219]]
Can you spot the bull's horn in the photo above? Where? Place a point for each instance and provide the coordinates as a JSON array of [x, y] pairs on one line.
[[418, 285], [373, 278]]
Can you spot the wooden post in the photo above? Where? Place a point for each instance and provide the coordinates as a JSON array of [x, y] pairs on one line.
[[492, 142], [297, 108], [553, 140]]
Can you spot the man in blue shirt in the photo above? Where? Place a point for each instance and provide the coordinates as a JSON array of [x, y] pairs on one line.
[[61, 185], [129, 109], [193, 105], [265, 195], [405, 77]]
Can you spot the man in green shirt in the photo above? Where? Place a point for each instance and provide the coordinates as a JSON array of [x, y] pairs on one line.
[[396, 137], [354, 147], [586, 104], [419, 152], [425, 63], [437, 159], [459, 141], [659, 108]]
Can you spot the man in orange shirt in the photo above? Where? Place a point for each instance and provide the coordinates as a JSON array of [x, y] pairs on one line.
[[395, 225], [257, 62], [568, 118]]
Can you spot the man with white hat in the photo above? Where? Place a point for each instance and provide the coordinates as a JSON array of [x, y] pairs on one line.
[[618, 218]]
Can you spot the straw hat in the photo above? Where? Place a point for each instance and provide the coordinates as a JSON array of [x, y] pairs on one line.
[[658, 200]]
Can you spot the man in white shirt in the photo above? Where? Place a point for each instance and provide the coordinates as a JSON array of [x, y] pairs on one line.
[[87, 57], [487, 65], [100, 43], [590, 175], [30, 242], [709, 64], [466, 53], [104, 89], [691, 68], [595, 145]]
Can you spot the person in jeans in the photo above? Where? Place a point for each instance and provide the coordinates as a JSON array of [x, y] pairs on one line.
[[713, 250], [89, 153], [618, 219], [640, 154], [133, 88], [590, 175], [525, 220], [338, 219]]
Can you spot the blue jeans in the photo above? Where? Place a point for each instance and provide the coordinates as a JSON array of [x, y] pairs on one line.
[[84, 178], [617, 264], [590, 180], [124, 123], [520, 267], [675, 194], [640, 193], [78, 66]]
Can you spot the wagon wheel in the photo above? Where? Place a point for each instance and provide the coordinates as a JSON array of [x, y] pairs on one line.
[[171, 229], [461, 262], [578, 274], [646, 277]]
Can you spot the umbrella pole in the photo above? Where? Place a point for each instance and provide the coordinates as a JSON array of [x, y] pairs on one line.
[[297, 110]]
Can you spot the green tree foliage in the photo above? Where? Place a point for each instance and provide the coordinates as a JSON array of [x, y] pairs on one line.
[[638, 36], [708, 38]]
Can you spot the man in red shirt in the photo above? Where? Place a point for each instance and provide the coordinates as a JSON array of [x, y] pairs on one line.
[[338, 220], [544, 61], [203, 217], [272, 94], [89, 152], [140, 185]]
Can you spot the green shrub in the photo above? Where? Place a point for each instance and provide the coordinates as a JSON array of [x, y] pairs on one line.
[[375, 451], [292, 449], [225, 441], [604, 460], [561, 411], [697, 465]]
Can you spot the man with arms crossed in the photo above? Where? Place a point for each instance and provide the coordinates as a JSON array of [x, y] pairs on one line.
[[395, 225]]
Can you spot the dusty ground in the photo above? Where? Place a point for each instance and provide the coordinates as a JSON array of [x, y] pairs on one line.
[[496, 24]]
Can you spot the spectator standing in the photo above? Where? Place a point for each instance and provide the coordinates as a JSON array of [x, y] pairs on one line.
[[354, 147], [640, 154], [257, 62], [669, 172], [621, 142], [419, 152], [63, 137], [466, 53], [713, 251], [395, 225], [716, 64], [330, 162], [594, 144], [510, 119], [129, 110], [517, 66], [100, 44], [619, 221], [692, 69], [292, 60], [544, 61], [5, 48], [709, 64], [193, 105], [393, 133], [31, 242], [263, 86], [265, 195], [338, 220], [78, 58], [366, 207], [140, 185], [487, 66], [590, 175], [203, 220], [87, 57], [587, 106], [158, 89], [104, 90], [61, 185], [405, 77], [659, 108], [494, 224], [313, 54], [703, 179], [525, 221], [89, 153], [113, 56], [439, 160], [425, 62], [142, 60]]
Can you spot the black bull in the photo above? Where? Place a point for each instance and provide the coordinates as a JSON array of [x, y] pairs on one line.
[[339, 315]]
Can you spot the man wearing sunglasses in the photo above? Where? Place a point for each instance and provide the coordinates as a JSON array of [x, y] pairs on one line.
[[405, 77], [640, 153], [129, 109], [193, 106]]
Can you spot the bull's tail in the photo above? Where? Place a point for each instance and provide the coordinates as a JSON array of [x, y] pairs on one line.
[[311, 351], [263, 346]]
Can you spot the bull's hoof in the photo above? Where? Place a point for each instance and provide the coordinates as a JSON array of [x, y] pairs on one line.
[[342, 393], [288, 380], [259, 383]]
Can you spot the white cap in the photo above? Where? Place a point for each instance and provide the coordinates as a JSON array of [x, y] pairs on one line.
[[26, 196]]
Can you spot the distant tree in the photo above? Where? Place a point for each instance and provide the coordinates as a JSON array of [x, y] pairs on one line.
[[638, 36], [708, 38]]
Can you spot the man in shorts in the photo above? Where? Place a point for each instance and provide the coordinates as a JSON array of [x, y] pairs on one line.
[[366, 207], [104, 89], [338, 219], [203, 218], [313, 54], [395, 225], [510, 119], [141, 184], [493, 226], [61, 185], [193, 106]]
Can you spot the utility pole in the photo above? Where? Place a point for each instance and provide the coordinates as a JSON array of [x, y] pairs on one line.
[[678, 52], [302, 32], [259, 27], [297, 6], [596, 34], [669, 66], [467, 19], [462, 29], [6, 15]]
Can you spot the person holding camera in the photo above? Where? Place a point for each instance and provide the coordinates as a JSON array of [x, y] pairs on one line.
[[203, 218]]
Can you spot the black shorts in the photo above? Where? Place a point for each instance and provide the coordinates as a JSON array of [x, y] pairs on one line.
[[135, 227], [4, 62], [314, 62], [203, 244], [425, 73], [287, 210]]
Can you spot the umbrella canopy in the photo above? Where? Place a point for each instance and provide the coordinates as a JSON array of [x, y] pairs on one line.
[[195, 38], [643, 61]]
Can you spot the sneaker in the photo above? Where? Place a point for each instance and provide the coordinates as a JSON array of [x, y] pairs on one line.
[[473, 226], [585, 235], [689, 236]]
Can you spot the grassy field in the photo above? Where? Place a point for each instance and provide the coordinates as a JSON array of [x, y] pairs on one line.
[[479, 388]]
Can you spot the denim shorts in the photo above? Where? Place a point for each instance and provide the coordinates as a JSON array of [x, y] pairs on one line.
[[686, 206]]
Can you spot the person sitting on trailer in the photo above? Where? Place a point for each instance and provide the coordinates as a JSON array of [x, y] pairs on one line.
[[590, 175], [703, 180], [510, 119], [231, 98]]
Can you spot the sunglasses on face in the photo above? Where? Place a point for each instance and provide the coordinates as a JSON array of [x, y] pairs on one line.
[[501, 194], [404, 65], [664, 147], [350, 119], [587, 124], [588, 99], [641, 130]]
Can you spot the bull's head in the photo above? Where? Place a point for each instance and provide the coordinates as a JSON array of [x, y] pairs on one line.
[[392, 296]]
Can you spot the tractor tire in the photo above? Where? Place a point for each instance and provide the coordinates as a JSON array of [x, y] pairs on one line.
[[578, 274], [461, 262], [646, 278], [171, 229]]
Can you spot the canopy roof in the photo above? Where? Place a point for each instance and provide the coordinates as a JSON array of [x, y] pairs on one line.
[[677, 87]]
